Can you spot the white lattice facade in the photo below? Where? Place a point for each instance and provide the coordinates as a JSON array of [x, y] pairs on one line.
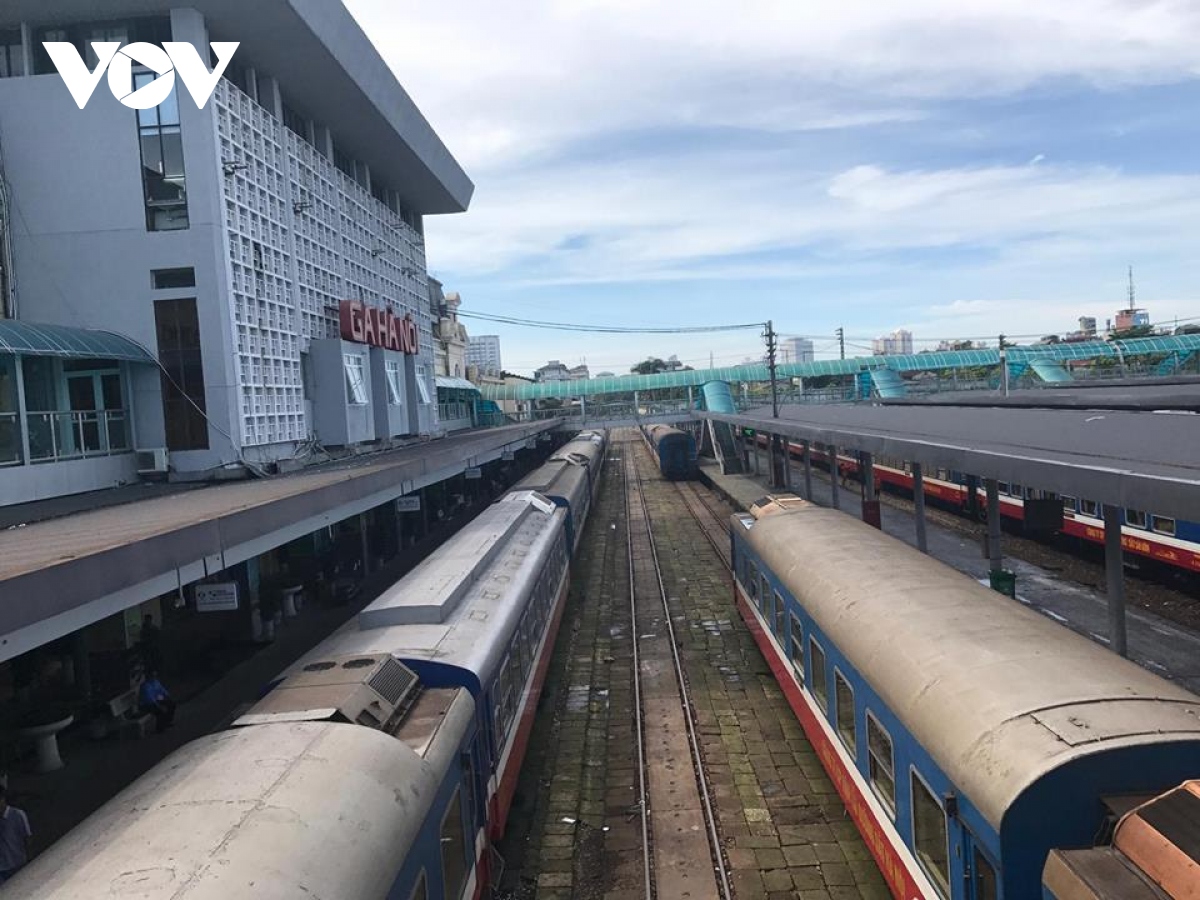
[[303, 236]]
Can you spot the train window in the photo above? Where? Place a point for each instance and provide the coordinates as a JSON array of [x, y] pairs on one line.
[[780, 619], [798, 647], [929, 834], [1003, 487], [1135, 518], [845, 712], [752, 581], [1089, 508], [1163, 525], [1016, 490], [1068, 503], [764, 594], [881, 763], [454, 850], [820, 685], [421, 891], [985, 877]]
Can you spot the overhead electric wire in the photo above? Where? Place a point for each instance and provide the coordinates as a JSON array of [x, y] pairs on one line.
[[607, 329]]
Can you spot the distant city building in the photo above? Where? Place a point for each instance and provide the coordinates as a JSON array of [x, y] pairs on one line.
[[579, 373], [552, 371], [673, 363], [1087, 326], [898, 343], [483, 352], [606, 374], [449, 335], [1131, 318], [797, 350]]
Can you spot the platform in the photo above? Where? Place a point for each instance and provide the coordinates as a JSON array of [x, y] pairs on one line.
[[1128, 459], [59, 575]]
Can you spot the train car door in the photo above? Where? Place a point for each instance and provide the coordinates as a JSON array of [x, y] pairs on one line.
[[979, 875]]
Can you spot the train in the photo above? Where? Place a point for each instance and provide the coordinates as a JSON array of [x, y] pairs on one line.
[[384, 762], [979, 747], [1173, 544], [674, 451]]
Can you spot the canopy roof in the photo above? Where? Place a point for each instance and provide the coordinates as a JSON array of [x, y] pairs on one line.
[[29, 339]]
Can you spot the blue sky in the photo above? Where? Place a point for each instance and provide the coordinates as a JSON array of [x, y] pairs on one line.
[[954, 167]]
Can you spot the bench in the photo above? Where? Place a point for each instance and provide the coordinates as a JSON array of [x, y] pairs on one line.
[[127, 713]]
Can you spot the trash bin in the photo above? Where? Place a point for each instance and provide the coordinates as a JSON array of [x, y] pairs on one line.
[[1005, 582]]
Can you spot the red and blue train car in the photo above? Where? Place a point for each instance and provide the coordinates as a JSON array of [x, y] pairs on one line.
[[971, 739]]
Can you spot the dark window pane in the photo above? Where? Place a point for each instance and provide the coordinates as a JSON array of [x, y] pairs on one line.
[[929, 835], [110, 386], [172, 154], [167, 279], [178, 331], [454, 850]]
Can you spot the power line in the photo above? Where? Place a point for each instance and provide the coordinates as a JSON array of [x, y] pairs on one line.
[[605, 329]]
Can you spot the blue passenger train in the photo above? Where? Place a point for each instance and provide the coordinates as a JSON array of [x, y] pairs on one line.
[[384, 762], [674, 450], [974, 742]]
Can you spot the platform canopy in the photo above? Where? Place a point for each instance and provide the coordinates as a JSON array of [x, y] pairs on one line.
[[30, 339]]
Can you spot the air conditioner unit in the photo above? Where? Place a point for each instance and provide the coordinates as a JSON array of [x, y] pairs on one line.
[[152, 462]]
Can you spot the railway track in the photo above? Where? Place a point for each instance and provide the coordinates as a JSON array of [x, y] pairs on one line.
[[713, 525], [678, 819]]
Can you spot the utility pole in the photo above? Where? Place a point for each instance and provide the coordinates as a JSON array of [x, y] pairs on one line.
[[1004, 365], [769, 336], [778, 453], [841, 336]]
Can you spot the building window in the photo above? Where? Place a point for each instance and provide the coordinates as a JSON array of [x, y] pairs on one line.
[[343, 161], [454, 850], [11, 451], [797, 647], [881, 763], [171, 279], [845, 712], [178, 330], [356, 379], [296, 123], [394, 384], [12, 54], [820, 683], [929, 835], [422, 387], [163, 179]]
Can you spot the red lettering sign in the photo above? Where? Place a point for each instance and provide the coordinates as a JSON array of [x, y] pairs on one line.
[[364, 324]]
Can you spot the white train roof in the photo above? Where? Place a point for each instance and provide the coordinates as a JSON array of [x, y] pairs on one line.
[[306, 809], [995, 692], [461, 605]]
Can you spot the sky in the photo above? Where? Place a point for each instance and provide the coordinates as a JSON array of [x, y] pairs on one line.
[[959, 168]]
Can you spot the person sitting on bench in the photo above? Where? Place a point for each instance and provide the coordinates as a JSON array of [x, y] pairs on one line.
[[155, 699]]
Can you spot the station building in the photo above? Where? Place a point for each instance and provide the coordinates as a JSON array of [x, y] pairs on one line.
[[219, 288]]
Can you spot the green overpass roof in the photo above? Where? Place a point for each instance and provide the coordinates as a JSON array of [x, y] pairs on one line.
[[916, 362]]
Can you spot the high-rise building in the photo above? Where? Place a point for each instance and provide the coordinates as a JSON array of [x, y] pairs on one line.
[[1087, 326], [483, 352], [796, 350], [898, 343], [268, 248]]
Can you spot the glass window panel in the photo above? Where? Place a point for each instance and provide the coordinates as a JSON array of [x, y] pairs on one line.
[[881, 762], [820, 683], [985, 877], [798, 647], [845, 712], [454, 850], [172, 154], [420, 892], [1068, 503], [764, 594], [1089, 508], [110, 389], [780, 619], [1163, 525], [929, 835], [152, 160], [1135, 517], [168, 110], [41, 393], [356, 383]]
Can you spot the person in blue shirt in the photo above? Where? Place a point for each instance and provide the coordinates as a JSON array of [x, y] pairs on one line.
[[155, 699]]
